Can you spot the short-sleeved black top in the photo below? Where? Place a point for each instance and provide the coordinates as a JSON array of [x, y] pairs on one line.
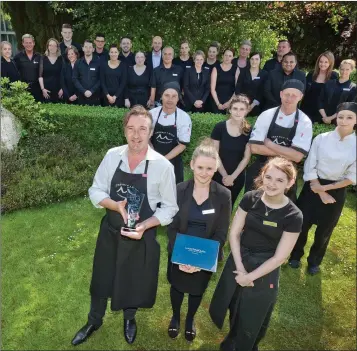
[[231, 149], [260, 237]]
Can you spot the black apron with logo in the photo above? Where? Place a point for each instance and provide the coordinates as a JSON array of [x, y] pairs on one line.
[[278, 135], [164, 140], [126, 269], [250, 307]]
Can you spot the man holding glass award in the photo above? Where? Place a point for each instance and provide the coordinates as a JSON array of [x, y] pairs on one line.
[[129, 183]]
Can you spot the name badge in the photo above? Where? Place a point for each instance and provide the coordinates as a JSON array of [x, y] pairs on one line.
[[174, 74], [35, 62], [92, 69], [346, 89], [270, 224], [206, 67], [208, 211], [256, 78], [188, 66]]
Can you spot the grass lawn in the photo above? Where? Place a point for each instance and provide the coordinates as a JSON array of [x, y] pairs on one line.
[[46, 269]]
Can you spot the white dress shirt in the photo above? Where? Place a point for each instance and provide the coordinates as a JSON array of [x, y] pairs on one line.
[[183, 122], [156, 59], [303, 135], [331, 158], [161, 184]]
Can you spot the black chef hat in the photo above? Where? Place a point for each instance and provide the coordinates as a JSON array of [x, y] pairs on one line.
[[294, 83], [350, 106], [172, 85]]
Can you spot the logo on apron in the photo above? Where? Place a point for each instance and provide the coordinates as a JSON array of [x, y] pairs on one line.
[[280, 140], [164, 137]]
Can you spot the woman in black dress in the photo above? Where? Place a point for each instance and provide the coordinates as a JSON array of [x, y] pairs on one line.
[[113, 76], [231, 141], [336, 92], [70, 94], [50, 72], [138, 83], [8, 66], [223, 81], [196, 84], [315, 81], [251, 83], [329, 168], [262, 235], [204, 211]]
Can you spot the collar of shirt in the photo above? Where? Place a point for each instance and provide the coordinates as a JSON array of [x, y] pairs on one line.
[[150, 155], [154, 53], [347, 138]]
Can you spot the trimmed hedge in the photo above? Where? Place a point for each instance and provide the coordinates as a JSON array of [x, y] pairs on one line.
[[97, 128], [50, 168]]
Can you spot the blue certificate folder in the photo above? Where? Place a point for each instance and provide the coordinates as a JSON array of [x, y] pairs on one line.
[[196, 252]]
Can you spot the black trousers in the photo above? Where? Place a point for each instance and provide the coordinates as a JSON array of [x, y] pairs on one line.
[[94, 100], [98, 306]]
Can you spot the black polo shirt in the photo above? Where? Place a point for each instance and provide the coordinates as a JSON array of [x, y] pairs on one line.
[[87, 76], [28, 69], [63, 48], [161, 75], [104, 55], [128, 60]]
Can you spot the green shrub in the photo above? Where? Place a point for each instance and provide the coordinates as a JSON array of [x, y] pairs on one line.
[[33, 116]]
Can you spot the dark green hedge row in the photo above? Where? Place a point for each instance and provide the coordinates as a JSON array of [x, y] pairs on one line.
[[97, 128]]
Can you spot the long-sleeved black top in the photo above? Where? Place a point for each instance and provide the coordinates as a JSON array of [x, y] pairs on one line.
[[113, 80], [104, 55], [87, 76], [63, 48], [9, 70], [67, 84], [271, 64], [276, 79], [128, 60], [196, 86], [29, 69]]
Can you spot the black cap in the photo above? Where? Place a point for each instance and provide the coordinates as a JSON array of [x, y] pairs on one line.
[[350, 106], [172, 85], [295, 84]]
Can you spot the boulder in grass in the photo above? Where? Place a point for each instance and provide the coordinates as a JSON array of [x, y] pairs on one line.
[[10, 130]]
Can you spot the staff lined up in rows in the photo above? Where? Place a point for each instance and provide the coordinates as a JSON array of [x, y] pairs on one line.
[[202, 92]]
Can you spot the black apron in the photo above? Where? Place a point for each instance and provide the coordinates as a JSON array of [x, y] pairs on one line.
[[125, 269], [250, 307], [281, 136], [313, 208], [164, 140]]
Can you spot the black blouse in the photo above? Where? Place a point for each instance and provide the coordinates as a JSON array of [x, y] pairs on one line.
[[113, 80], [9, 70], [138, 87]]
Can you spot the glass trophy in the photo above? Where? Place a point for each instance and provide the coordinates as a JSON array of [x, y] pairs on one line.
[[133, 207]]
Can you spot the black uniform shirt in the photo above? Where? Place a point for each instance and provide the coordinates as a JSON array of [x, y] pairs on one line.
[[87, 77], [128, 60], [183, 64], [260, 233], [161, 76], [29, 69], [9, 70], [271, 64], [104, 55]]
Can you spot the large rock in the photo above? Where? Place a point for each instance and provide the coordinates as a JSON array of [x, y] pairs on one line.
[[10, 130]]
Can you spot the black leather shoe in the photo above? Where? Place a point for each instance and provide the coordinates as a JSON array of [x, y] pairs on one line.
[[190, 333], [130, 330], [84, 333], [174, 328]]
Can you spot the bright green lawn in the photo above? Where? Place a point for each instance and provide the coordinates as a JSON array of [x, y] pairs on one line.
[[46, 269]]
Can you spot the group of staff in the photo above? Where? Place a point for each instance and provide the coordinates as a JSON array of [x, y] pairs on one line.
[[92, 75], [271, 223]]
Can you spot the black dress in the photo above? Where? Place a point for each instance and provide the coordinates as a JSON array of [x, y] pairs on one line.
[[225, 85], [195, 283], [113, 82], [210, 66], [251, 307], [253, 88], [309, 104], [9, 70], [231, 153], [138, 87], [51, 74]]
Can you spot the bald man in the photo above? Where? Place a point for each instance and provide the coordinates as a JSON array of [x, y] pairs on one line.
[[154, 57]]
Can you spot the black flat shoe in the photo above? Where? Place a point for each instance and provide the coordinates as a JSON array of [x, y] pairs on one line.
[[84, 333], [130, 330], [190, 334], [174, 328]]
